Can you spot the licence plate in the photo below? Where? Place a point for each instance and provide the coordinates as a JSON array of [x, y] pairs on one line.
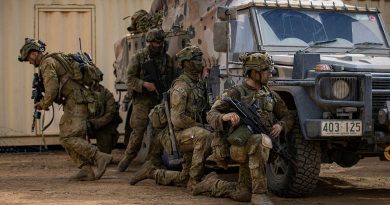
[[341, 128]]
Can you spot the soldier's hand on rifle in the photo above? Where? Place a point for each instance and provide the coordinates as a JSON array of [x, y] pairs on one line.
[[150, 87], [37, 106], [276, 130], [232, 117]]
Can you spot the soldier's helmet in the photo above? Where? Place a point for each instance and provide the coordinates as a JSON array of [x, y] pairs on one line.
[[189, 53], [259, 61], [134, 19], [30, 45], [156, 35]]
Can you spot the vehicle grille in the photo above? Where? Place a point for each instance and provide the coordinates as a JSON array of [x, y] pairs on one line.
[[382, 85]]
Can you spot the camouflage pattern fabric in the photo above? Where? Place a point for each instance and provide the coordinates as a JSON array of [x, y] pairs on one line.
[[253, 153], [175, 178], [72, 123], [142, 21], [30, 45], [193, 140], [106, 122], [143, 102]]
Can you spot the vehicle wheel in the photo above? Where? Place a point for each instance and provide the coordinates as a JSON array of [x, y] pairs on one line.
[[294, 179]]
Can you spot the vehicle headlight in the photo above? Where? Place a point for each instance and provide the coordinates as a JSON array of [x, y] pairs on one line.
[[340, 89]]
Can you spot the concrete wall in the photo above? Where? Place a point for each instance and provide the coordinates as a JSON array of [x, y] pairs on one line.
[[99, 24]]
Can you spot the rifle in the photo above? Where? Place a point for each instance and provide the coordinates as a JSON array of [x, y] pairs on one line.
[[175, 158], [152, 75], [251, 119], [38, 89]]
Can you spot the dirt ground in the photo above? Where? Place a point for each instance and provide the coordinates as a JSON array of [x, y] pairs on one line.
[[41, 178]]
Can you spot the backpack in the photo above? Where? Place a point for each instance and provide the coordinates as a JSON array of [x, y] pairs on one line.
[[79, 68]]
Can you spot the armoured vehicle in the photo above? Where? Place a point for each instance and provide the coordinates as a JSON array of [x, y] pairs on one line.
[[332, 64]]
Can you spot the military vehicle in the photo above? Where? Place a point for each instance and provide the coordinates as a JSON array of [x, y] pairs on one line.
[[332, 64]]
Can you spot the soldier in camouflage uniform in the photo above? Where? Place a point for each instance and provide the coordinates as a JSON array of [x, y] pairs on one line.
[[103, 126], [252, 155], [59, 88], [146, 94], [188, 101]]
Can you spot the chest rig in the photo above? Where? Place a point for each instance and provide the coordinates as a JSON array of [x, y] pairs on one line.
[[264, 100], [197, 98]]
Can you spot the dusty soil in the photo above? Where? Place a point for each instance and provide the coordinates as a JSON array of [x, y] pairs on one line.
[[41, 178]]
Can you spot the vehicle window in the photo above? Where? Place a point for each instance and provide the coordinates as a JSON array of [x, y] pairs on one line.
[[242, 38], [286, 27]]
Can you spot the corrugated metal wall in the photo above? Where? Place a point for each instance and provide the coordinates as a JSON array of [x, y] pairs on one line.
[[382, 5], [18, 19]]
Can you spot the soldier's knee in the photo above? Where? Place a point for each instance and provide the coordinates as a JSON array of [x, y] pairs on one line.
[[258, 142], [238, 154]]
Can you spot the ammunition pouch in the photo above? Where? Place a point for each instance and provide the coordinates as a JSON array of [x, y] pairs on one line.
[[158, 117], [84, 96], [239, 136]]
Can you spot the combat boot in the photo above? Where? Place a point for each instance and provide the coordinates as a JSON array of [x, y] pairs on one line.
[[191, 183], [240, 194], [85, 174], [124, 163], [101, 160], [262, 199], [147, 171], [221, 163], [205, 184]]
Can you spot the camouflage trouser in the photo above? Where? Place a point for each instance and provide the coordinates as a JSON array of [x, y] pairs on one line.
[[240, 191], [194, 143], [252, 173], [72, 135], [176, 178], [195, 140], [156, 148], [139, 122], [106, 138]]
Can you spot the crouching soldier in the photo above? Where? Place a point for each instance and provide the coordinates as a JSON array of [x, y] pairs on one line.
[[252, 153], [103, 126], [188, 101], [62, 88]]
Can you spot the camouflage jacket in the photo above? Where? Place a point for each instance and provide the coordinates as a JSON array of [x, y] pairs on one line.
[[188, 101], [58, 87], [272, 108], [135, 73]]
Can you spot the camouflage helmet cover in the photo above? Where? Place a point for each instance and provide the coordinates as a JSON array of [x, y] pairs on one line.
[[136, 16], [30, 45], [188, 53], [259, 61], [156, 35]]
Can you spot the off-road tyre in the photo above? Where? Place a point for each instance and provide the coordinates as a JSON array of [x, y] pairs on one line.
[[299, 176]]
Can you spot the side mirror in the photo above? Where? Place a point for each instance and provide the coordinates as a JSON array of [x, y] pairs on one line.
[[220, 36]]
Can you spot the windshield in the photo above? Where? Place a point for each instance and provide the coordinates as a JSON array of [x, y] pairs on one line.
[[282, 27]]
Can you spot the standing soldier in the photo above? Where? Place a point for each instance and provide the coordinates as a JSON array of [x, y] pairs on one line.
[[189, 102], [150, 73], [253, 154], [62, 89]]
